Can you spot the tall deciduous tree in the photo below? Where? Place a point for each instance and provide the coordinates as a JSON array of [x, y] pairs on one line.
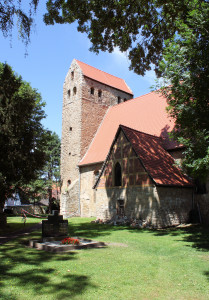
[[186, 69], [49, 176], [22, 137], [12, 10]]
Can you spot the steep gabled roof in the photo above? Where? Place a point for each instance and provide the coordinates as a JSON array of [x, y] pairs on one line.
[[104, 77], [156, 160], [146, 114]]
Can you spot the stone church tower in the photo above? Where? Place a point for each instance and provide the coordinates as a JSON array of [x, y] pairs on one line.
[[87, 95]]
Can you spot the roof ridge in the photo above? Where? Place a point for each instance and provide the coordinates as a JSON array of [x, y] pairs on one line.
[[126, 102], [155, 136], [101, 70]]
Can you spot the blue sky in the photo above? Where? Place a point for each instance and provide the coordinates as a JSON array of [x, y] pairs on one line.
[[50, 54]]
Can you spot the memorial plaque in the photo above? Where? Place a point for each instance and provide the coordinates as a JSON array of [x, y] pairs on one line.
[[55, 226]]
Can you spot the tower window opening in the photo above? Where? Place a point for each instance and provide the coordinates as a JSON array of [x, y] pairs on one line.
[[99, 93], [92, 91], [118, 174], [74, 90], [72, 75], [68, 92], [71, 128], [119, 99]]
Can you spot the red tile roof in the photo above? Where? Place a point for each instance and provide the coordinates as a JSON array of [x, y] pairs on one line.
[[104, 77], [156, 160], [146, 114]]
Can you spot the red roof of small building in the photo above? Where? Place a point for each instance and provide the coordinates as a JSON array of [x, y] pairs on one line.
[[104, 77], [159, 164], [146, 114]]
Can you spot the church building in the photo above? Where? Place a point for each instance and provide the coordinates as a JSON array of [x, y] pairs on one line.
[[116, 155]]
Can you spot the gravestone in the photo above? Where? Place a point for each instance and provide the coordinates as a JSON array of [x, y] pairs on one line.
[[55, 226]]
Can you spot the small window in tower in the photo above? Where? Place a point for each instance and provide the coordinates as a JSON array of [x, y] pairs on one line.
[[119, 99], [125, 99], [72, 75], [74, 90], [68, 182], [92, 91], [71, 128], [68, 92], [99, 93]]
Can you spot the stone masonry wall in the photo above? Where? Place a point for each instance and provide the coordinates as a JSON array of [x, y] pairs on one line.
[[159, 206], [71, 138], [89, 174]]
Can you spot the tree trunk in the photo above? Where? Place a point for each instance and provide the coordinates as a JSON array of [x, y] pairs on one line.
[[3, 217], [50, 200]]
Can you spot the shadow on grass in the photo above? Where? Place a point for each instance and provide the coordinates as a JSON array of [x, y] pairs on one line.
[[197, 236], [30, 270]]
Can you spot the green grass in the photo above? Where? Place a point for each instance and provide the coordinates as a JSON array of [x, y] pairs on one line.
[[136, 264], [15, 223]]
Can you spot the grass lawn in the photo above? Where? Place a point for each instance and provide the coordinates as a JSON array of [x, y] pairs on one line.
[[137, 264], [15, 223]]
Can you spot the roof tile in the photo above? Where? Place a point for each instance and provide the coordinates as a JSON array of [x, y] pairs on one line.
[[104, 77], [157, 161], [146, 114]]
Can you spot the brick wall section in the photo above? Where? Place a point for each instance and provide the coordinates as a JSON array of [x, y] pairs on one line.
[[95, 107], [133, 173]]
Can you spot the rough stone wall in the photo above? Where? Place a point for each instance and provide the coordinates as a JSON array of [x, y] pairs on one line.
[[71, 138], [94, 108], [159, 206], [87, 193]]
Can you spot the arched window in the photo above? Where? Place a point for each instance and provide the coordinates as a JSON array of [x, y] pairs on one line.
[[68, 92], [74, 90], [119, 99], [72, 75], [99, 93], [92, 91], [118, 174]]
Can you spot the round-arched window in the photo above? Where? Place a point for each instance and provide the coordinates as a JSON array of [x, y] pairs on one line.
[[74, 90]]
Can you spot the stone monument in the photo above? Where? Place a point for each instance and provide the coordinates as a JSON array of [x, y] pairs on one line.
[[55, 226]]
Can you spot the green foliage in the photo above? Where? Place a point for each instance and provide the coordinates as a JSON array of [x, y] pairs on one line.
[[11, 10], [186, 69], [139, 27], [22, 137], [48, 176]]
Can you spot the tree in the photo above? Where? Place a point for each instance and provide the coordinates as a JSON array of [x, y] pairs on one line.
[[139, 27], [49, 176], [12, 8], [22, 137], [186, 70]]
